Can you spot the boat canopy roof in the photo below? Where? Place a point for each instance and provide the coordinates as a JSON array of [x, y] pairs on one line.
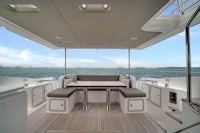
[[99, 24]]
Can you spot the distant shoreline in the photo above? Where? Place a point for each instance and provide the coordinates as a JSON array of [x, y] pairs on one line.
[[94, 67]]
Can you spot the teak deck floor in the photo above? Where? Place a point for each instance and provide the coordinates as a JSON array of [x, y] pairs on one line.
[[95, 120]]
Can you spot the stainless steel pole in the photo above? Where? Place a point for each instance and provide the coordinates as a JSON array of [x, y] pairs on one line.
[[129, 65], [188, 57], [108, 99], [65, 62], [85, 99]]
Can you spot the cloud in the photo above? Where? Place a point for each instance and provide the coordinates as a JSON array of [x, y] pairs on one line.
[[81, 62], [12, 57], [87, 61], [117, 61], [123, 62], [8, 52], [25, 57], [106, 62]]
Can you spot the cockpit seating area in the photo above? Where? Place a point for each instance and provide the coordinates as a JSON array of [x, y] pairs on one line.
[[63, 99]]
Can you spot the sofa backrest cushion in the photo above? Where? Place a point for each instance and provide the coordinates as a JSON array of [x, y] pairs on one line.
[[133, 82], [73, 77], [125, 79], [98, 77], [61, 81], [67, 81]]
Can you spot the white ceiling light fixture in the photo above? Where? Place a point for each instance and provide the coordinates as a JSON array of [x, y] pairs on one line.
[[96, 42], [94, 7], [84, 6], [133, 38], [58, 38], [65, 42], [105, 6], [23, 8]]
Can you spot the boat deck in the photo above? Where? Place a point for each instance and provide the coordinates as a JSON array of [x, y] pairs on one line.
[[95, 120]]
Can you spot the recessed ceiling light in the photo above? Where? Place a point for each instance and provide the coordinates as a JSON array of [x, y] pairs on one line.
[[58, 37], [134, 38], [105, 6], [64, 42], [23, 8], [12, 6], [84, 6], [96, 42], [94, 7]]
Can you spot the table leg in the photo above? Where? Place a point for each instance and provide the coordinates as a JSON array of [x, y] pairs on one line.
[[85, 99], [108, 99]]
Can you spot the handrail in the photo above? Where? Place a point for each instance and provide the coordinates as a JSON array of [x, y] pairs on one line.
[[65, 62], [147, 80], [190, 126], [182, 3], [187, 33]]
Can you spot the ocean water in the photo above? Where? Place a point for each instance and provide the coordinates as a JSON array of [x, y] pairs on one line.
[[57, 72]]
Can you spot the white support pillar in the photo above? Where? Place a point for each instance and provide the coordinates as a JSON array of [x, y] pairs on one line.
[[65, 61]]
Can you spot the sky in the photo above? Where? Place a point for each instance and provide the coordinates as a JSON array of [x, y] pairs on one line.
[[16, 50]]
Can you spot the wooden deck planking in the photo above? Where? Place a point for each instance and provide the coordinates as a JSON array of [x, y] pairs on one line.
[[95, 120]]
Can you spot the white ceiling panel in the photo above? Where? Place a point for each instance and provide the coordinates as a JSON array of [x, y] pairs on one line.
[[61, 23]]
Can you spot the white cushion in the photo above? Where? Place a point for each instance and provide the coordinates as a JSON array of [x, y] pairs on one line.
[[73, 77], [61, 81], [126, 81], [67, 81], [133, 82]]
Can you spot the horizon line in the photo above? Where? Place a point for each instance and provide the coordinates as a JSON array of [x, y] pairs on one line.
[[93, 67]]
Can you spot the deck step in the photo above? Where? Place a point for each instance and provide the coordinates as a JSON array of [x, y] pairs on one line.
[[176, 115], [162, 126]]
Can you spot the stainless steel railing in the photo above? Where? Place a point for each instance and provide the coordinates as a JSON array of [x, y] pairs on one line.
[[188, 57], [184, 5], [179, 7], [147, 81]]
